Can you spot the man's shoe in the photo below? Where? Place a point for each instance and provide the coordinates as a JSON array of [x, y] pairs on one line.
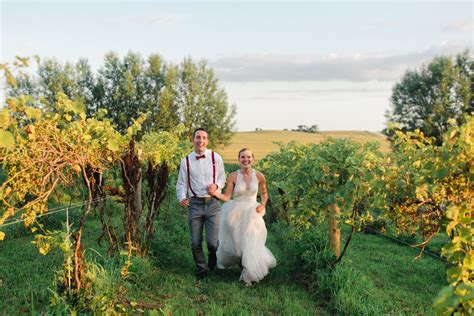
[[212, 261], [212, 266], [201, 276]]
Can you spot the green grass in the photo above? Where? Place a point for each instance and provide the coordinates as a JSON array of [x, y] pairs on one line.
[[165, 279], [262, 143], [25, 276], [398, 283], [386, 275], [223, 293]]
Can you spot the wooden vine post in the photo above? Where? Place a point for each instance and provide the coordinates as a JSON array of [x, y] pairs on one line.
[[334, 231]]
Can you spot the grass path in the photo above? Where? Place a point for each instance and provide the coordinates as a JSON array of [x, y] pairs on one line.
[[223, 293], [166, 280], [399, 283]]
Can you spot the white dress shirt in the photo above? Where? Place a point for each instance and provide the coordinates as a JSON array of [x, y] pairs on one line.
[[200, 175]]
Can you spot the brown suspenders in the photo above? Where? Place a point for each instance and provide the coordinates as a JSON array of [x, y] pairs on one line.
[[213, 171]]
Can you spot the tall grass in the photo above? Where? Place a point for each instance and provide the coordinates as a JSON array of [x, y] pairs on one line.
[[375, 277]]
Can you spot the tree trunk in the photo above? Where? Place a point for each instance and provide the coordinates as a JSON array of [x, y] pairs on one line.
[[285, 204], [157, 178], [77, 236], [132, 183]]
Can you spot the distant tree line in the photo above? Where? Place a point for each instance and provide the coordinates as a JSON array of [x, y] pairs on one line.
[[303, 128], [171, 94]]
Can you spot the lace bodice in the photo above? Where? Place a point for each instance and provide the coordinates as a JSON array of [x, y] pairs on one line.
[[243, 190]]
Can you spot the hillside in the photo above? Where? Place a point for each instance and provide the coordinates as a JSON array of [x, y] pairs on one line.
[[262, 143]]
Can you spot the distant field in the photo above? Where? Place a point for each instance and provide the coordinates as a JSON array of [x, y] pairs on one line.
[[262, 143]]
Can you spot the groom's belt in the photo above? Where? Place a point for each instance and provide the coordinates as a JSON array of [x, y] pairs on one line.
[[203, 199]]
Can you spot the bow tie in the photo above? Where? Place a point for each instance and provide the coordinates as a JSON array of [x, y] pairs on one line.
[[200, 157]]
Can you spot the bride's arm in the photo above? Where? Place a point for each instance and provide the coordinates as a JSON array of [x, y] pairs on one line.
[[262, 183], [229, 188]]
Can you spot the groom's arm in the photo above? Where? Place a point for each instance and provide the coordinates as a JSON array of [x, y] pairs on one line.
[[182, 184]]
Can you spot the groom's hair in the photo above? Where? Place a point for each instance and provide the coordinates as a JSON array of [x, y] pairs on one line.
[[200, 129]]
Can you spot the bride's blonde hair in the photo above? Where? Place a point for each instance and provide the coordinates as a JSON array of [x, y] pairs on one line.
[[242, 150]]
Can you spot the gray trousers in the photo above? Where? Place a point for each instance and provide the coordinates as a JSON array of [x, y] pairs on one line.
[[204, 212]]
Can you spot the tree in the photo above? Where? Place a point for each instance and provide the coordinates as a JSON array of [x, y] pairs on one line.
[[52, 80], [434, 97], [126, 87], [162, 81], [203, 103], [121, 89]]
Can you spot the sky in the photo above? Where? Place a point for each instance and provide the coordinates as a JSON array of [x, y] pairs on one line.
[[282, 63]]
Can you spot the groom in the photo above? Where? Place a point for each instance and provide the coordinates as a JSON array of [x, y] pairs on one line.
[[201, 173]]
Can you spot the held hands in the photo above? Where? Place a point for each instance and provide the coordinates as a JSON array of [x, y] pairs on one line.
[[260, 208], [211, 189], [184, 202]]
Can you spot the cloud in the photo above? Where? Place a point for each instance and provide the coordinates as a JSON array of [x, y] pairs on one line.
[[355, 67], [335, 90], [165, 18], [460, 26]]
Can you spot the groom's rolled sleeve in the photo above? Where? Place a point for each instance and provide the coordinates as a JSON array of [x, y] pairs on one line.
[[181, 184]]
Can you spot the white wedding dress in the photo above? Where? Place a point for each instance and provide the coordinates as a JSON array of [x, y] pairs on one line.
[[242, 233]]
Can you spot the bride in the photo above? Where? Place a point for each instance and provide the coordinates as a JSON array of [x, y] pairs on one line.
[[242, 232]]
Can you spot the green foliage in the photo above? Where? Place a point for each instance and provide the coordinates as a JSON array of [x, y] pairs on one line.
[[102, 293], [277, 167], [126, 87], [50, 148], [163, 148], [56, 146], [341, 289], [335, 171], [420, 188], [121, 89], [204, 103], [428, 189], [428, 98]]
